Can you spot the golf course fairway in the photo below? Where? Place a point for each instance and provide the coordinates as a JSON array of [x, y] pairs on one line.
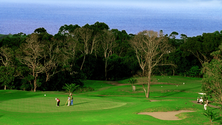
[[109, 104]]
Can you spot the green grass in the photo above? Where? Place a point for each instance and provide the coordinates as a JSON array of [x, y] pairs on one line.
[[107, 105]]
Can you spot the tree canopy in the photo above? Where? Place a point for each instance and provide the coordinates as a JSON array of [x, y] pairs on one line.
[[42, 61]]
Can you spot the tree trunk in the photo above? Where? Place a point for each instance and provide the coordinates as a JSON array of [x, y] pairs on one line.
[[35, 82], [31, 85], [84, 58], [148, 83], [106, 69], [4, 87], [144, 89], [47, 77], [35, 85], [143, 72]]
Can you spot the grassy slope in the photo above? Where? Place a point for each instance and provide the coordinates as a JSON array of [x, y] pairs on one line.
[[108, 104]]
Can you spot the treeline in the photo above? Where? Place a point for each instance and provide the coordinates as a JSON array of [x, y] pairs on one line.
[[41, 61]]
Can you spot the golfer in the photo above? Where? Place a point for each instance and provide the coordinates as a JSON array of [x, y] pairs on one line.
[[58, 101], [201, 100], [71, 100], [68, 101]]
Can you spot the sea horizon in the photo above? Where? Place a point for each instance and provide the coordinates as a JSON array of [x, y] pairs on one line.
[[26, 17]]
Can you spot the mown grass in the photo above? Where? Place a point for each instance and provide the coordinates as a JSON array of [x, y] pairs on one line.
[[107, 105]]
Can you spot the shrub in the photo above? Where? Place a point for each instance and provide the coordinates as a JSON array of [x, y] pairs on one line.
[[70, 87], [194, 71]]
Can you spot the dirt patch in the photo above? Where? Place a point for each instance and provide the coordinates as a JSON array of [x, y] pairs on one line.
[[116, 83], [154, 100], [160, 100], [171, 115]]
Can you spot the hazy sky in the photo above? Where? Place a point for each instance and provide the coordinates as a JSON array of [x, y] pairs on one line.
[[136, 3]]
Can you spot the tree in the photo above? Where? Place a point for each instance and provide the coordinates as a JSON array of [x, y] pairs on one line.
[[68, 43], [100, 26], [70, 87], [107, 44], [84, 34], [6, 55], [40, 30], [98, 29], [202, 46], [212, 77], [173, 34], [68, 29], [7, 76], [122, 41], [140, 52], [211, 114], [51, 55], [149, 48], [67, 51], [7, 71], [183, 36], [30, 54]]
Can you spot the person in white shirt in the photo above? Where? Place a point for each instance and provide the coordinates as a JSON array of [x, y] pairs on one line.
[[68, 101], [201, 100]]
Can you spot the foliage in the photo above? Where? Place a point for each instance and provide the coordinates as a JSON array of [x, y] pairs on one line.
[[94, 69], [202, 46], [211, 114], [133, 81], [95, 52], [212, 77], [121, 67], [7, 76], [150, 47], [194, 71], [70, 87]]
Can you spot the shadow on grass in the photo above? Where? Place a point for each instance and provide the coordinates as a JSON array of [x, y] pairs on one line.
[[6, 95], [96, 95], [76, 104], [218, 119], [80, 103], [171, 93]]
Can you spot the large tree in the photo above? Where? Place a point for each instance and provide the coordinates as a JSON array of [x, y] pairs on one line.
[[31, 54], [212, 78], [107, 45], [7, 70], [85, 35], [9, 64], [51, 57], [150, 48], [68, 49]]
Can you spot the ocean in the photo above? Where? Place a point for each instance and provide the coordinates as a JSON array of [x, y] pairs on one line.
[[16, 18]]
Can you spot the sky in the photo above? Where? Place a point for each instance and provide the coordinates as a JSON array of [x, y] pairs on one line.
[[138, 3]]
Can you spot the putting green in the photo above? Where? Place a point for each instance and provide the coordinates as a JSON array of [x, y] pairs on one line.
[[48, 104]]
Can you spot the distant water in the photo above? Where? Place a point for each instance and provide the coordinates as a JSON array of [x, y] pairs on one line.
[[16, 18]]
